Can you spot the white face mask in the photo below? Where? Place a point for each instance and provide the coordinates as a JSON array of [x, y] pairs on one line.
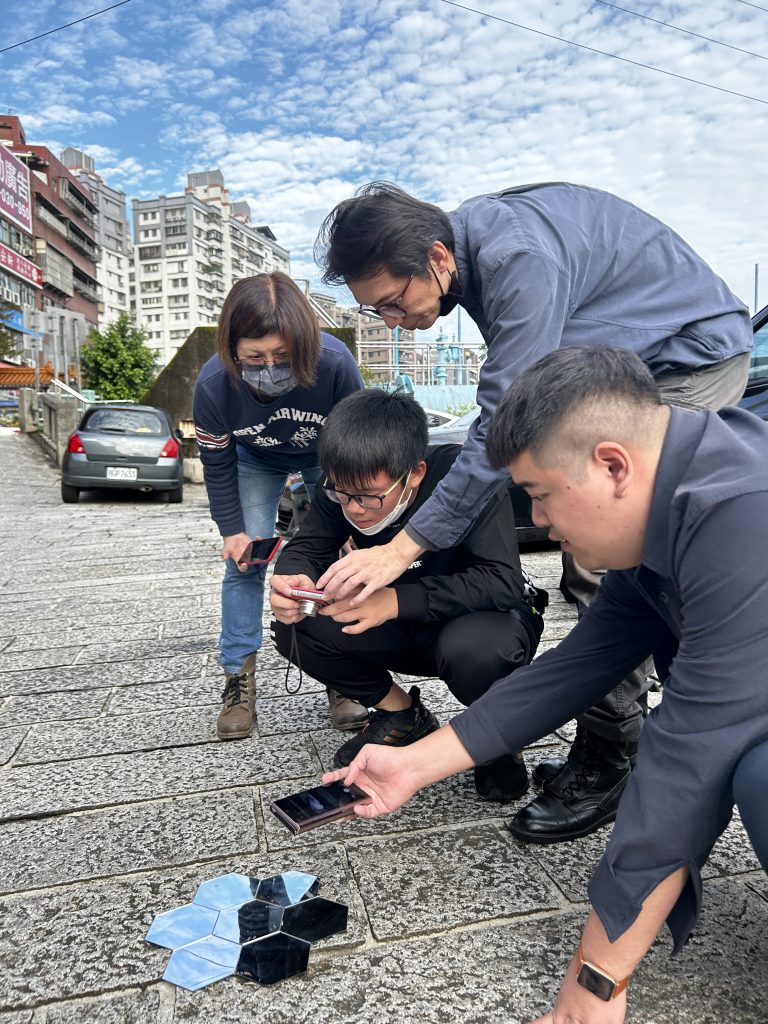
[[389, 518]]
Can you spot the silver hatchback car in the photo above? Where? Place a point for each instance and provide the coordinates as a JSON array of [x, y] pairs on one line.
[[118, 445]]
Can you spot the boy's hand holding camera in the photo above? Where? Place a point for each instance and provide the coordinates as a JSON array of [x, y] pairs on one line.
[[284, 605], [379, 608]]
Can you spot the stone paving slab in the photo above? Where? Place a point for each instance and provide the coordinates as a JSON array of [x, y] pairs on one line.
[[86, 677], [121, 840], [55, 788], [90, 938], [161, 730], [52, 705], [81, 637], [10, 741], [126, 700], [484, 876], [136, 1007]]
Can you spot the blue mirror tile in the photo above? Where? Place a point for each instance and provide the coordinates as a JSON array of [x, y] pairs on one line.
[[193, 972], [181, 926], [226, 891], [252, 921]]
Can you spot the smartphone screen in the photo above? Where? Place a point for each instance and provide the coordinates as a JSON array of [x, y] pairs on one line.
[[313, 807], [260, 551]]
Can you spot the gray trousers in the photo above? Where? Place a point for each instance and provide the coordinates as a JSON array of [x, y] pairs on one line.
[[619, 716]]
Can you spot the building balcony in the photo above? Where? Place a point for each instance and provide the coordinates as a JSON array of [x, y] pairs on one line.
[[76, 201], [83, 244], [86, 288]]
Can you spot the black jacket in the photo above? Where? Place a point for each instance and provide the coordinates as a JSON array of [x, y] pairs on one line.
[[481, 573]]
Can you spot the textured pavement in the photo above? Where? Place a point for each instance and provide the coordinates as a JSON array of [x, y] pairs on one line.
[[116, 801]]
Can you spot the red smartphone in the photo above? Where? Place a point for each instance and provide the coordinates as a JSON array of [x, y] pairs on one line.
[[308, 594], [314, 807], [261, 551]]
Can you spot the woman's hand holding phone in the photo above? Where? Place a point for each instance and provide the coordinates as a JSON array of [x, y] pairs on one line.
[[234, 547]]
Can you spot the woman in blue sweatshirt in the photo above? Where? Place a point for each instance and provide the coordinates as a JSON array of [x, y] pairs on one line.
[[259, 406]]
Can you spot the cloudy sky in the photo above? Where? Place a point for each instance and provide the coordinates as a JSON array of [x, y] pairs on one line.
[[298, 102]]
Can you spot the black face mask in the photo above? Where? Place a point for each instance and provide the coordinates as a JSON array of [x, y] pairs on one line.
[[449, 300]]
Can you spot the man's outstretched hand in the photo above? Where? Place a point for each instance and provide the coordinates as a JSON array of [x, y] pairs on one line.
[[361, 573], [383, 773]]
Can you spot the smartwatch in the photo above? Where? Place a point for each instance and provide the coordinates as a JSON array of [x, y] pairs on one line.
[[596, 981]]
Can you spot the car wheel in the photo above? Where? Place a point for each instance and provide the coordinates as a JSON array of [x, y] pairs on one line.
[[69, 495], [176, 496]]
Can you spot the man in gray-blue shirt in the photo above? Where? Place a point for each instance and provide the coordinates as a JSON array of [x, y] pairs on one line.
[[675, 501], [539, 267]]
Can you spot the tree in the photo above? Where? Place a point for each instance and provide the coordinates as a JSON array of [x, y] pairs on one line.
[[116, 363], [8, 343]]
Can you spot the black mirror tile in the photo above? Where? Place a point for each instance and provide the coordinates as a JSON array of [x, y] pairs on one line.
[[274, 958], [253, 920], [315, 919]]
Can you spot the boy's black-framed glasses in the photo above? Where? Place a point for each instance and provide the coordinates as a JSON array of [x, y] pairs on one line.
[[369, 501]]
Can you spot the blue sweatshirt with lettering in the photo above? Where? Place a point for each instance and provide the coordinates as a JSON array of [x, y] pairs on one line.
[[232, 425]]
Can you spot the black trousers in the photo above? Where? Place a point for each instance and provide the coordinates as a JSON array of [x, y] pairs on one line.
[[468, 653]]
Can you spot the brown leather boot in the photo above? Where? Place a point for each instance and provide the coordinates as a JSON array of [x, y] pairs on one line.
[[346, 713], [235, 720]]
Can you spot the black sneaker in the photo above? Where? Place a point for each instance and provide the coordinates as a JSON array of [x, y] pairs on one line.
[[581, 798], [503, 780], [393, 728]]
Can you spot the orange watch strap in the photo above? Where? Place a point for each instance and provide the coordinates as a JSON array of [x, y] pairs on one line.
[[618, 986]]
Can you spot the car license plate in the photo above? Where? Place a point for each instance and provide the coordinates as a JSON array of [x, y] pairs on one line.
[[121, 473]]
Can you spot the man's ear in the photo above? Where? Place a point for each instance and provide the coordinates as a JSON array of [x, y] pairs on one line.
[[418, 473], [440, 256], [614, 459]]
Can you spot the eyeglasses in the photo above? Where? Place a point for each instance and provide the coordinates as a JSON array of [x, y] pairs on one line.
[[391, 309], [369, 501]]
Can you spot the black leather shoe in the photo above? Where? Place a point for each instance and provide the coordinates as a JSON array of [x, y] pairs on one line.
[[580, 799], [503, 780], [392, 728], [547, 769]]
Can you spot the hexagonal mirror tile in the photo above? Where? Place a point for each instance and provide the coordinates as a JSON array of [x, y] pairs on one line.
[[287, 888], [253, 920], [183, 925], [315, 919], [202, 963], [226, 891], [273, 958]]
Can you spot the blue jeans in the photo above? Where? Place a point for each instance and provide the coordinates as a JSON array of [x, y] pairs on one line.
[[750, 781], [242, 593]]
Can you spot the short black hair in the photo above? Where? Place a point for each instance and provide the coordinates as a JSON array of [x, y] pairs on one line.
[[381, 228], [591, 381], [372, 431]]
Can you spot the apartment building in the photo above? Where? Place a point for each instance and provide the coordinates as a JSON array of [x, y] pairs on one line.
[[64, 249], [20, 278], [384, 352], [189, 250], [112, 233]]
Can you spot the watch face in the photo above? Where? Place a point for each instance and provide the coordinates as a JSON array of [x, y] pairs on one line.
[[598, 984]]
